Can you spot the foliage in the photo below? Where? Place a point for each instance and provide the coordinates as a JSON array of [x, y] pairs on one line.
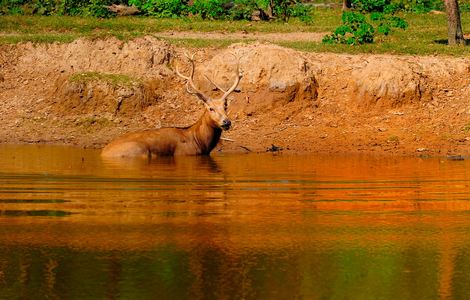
[[384, 6], [205, 9], [423, 37], [464, 7], [393, 6], [385, 23], [419, 6], [303, 12], [243, 9], [354, 31], [94, 8], [161, 8], [210, 9], [285, 9], [367, 18]]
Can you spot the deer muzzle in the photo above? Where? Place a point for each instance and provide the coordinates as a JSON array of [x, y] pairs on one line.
[[226, 124]]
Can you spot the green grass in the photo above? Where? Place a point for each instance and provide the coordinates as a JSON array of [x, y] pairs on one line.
[[205, 43], [426, 34], [143, 25], [113, 79]]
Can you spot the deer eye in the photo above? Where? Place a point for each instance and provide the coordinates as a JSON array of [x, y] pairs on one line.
[[211, 109]]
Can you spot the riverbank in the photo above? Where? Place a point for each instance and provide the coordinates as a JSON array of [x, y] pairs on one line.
[[88, 91]]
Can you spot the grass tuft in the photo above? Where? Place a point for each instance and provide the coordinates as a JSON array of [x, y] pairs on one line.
[[113, 79]]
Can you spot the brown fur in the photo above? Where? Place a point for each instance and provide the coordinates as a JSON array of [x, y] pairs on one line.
[[198, 139]]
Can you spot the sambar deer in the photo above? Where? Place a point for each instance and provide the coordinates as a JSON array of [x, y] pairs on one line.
[[197, 139]]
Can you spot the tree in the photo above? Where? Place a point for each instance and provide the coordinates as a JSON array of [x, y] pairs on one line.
[[454, 25]]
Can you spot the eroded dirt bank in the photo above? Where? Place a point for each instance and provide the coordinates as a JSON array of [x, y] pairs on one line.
[[87, 92]]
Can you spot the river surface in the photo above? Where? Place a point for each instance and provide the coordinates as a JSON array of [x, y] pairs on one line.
[[256, 226]]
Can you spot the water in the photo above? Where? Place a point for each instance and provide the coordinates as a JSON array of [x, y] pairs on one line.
[[232, 227]]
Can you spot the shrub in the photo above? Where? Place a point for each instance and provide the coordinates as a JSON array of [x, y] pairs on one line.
[[94, 8], [211, 9], [283, 9], [303, 12], [373, 5], [161, 8], [358, 29], [419, 6], [355, 30], [243, 9]]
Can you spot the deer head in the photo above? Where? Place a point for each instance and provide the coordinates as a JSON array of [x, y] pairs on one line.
[[216, 107]]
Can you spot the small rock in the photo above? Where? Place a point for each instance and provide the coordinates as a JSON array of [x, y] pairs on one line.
[[381, 129], [455, 157], [421, 149], [274, 148]]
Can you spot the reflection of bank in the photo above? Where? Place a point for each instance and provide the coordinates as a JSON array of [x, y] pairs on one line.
[[325, 255], [258, 226]]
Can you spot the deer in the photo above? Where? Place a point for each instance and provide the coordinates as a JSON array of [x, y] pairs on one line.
[[197, 139]]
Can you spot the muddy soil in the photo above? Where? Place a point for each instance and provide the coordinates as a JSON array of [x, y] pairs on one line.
[[87, 92]]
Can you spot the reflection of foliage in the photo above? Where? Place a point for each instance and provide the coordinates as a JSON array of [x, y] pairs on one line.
[[170, 272]]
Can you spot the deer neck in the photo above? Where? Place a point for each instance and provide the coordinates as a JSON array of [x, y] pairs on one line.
[[206, 133]]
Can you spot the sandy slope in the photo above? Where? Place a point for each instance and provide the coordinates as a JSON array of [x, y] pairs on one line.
[[297, 101]]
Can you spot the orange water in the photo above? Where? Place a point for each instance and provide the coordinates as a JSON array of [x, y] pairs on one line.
[[232, 226]]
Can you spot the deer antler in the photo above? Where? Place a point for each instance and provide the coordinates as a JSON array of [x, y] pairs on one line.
[[214, 84], [189, 79], [235, 84], [192, 89]]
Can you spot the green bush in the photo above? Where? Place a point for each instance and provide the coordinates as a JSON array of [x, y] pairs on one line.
[[385, 23], [94, 8], [464, 7], [303, 12], [206, 9], [367, 18], [243, 9], [354, 31], [161, 8], [283, 9], [419, 6], [373, 6], [210, 9]]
